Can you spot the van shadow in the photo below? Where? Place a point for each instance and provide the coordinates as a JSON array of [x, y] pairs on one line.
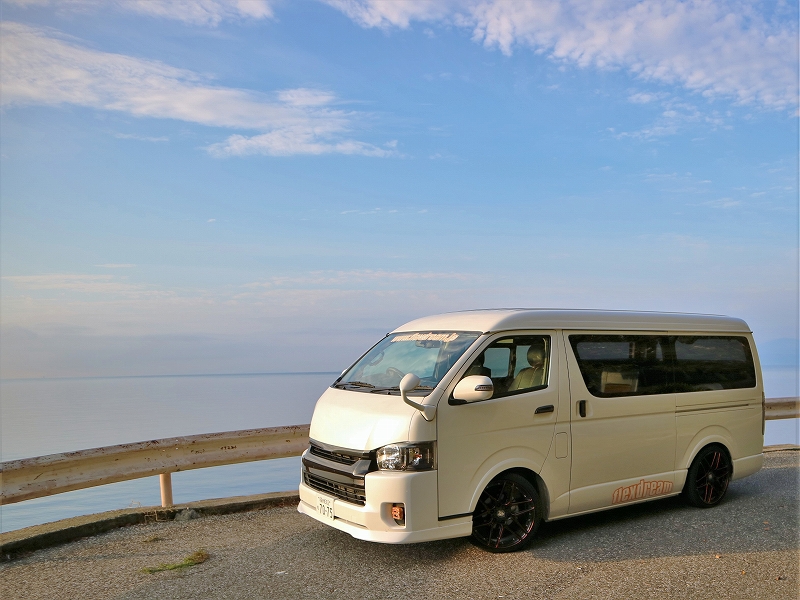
[[758, 514]]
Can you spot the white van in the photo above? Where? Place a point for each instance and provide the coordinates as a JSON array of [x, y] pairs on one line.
[[488, 422]]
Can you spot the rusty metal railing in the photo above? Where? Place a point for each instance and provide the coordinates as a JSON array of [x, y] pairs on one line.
[[31, 478]]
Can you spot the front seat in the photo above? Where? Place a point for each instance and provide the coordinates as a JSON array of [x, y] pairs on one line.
[[477, 368], [532, 376]]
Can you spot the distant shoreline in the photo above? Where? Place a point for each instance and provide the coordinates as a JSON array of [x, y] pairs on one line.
[[83, 377]]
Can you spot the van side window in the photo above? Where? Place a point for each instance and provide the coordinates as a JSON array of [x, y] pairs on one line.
[[516, 364], [641, 365], [713, 363], [623, 365]]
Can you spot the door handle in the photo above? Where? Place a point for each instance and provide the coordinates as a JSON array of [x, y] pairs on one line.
[[544, 409], [582, 408]]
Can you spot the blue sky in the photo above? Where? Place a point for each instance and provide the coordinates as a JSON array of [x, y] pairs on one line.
[[270, 186]]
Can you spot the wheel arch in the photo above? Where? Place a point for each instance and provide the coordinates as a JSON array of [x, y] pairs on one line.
[[523, 471], [714, 434], [541, 488]]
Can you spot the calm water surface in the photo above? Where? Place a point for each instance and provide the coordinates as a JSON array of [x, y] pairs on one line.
[[45, 416]]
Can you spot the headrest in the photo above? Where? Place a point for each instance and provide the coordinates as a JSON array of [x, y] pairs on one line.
[[536, 353]]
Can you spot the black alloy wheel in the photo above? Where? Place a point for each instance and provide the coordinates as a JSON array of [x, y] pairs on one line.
[[507, 515], [708, 478]]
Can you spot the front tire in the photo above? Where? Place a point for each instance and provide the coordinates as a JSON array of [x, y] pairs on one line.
[[507, 515], [708, 478]]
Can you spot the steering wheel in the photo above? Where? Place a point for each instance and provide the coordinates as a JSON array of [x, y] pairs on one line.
[[395, 372]]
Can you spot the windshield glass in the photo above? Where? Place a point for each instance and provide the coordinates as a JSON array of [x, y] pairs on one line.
[[426, 354]]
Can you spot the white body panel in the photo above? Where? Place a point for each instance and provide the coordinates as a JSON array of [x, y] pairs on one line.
[[479, 440], [624, 450], [619, 442]]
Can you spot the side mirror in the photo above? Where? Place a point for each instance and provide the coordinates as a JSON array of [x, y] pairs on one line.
[[474, 388], [409, 383]]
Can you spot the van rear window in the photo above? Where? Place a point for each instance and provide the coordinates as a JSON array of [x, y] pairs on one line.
[[713, 363], [633, 365]]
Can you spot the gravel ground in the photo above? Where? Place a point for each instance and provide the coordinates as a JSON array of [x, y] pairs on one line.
[[745, 548]]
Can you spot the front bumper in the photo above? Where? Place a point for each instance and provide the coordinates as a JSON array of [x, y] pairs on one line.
[[373, 520]]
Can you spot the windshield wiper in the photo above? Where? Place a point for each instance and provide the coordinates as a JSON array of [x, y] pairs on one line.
[[397, 388], [355, 383]]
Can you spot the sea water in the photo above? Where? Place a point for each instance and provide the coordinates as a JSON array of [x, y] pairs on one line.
[[46, 416]]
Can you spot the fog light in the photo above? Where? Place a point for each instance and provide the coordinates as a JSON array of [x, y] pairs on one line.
[[399, 514]]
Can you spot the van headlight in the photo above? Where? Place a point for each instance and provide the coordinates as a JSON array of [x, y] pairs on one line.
[[420, 456]]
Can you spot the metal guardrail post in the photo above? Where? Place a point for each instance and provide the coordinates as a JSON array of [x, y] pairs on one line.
[[165, 479]]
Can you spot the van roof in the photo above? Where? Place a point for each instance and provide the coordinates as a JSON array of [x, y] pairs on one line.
[[506, 319]]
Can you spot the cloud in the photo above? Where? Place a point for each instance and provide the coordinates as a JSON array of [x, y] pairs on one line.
[[116, 266], [201, 12], [140, 138], [674, 116], [719, 49], [192, 12], [643, 97], [79, 283], [357, 277], [39, 67], [722, 203], [287, 141]]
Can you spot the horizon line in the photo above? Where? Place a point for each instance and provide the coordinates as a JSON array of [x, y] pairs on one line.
[[44, 378]]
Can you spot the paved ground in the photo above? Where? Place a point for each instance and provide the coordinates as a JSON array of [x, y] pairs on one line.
[[745, 548]]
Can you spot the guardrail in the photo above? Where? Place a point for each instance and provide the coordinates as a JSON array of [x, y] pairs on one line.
[[31, 478]]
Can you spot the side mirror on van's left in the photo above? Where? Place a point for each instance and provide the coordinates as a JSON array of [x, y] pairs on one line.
[[474, 388]]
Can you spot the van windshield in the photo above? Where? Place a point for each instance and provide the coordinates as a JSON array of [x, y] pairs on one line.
[[426, 354]]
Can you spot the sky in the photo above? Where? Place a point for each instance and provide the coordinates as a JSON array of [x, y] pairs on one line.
[[271, 186]]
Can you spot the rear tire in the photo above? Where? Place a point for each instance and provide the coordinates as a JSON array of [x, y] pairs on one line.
[[507, 515], [708, 478]]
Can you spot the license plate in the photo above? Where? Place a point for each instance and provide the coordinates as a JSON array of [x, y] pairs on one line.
[[325, 507]]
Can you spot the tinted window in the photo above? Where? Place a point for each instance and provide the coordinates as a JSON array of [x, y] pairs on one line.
[[623, 365], [713, 363], [516, 364], [627, 365]]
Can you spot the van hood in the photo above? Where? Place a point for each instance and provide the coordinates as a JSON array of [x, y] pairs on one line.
[[360, 420]]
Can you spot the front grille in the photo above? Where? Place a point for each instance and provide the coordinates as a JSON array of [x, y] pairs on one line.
[[354, 494], [337, 457]]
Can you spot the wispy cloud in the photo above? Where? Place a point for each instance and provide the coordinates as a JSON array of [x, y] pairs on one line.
[[193, 12], [644, 97], [140, 138], [716, 48], [722, 203], [116, 266], [40, 67], [675, 116], [80, 283], [201, 12], [351, 278], [300, 139]]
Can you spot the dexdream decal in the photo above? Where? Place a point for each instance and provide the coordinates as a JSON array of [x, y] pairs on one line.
[[643, 489]]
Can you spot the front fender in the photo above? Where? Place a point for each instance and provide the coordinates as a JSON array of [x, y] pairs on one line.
[[517, 457]]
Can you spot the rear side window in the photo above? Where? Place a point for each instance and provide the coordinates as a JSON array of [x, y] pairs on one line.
[[623, 365], [713, 363], [640, 365]]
